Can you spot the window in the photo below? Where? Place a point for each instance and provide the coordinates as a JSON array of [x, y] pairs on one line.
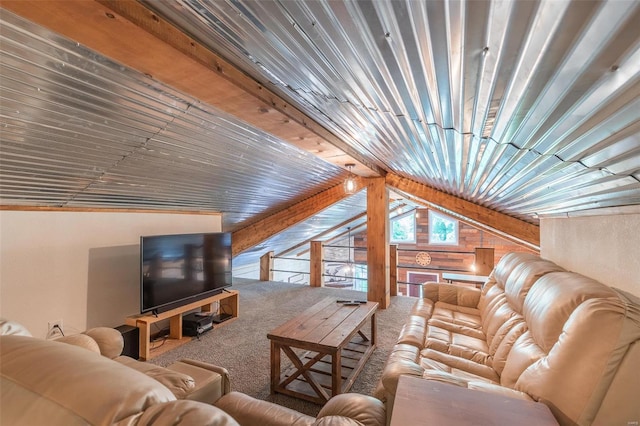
[[442, 229], [403, 228]]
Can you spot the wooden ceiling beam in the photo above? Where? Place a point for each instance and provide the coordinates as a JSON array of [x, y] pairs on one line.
[[129, 33], [491, 220], [260, 231]]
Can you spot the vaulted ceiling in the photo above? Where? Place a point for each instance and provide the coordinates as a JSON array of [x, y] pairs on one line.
[[495, 111]]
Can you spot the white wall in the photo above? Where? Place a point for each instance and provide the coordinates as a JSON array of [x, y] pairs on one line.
[[81, 267], [603, 247]]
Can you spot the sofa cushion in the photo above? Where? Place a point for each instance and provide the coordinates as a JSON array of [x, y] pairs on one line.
[[495, 285], [432, 366], [452, 294], [491, 301], [514, 328], [497, 322], [519, 282], [553, 300], [455, 362], [508, 263], [456, 328], [462, 345], [462, 315], [523, 353]]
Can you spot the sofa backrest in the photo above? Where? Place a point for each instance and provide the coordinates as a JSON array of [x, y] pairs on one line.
[[48, 382], [502, 300], [579, 332]]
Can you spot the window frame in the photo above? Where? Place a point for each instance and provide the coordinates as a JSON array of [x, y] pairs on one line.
[[433, 217], [399, 217]]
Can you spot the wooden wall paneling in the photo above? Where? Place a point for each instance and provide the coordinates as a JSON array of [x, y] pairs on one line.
[[500, 223], [484, 261]]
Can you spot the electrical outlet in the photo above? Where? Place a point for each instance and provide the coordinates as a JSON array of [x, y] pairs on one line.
[[56, 329]]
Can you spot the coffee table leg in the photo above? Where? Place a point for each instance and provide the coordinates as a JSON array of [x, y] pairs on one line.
[[275, 366], [336, 373], [374, 330]]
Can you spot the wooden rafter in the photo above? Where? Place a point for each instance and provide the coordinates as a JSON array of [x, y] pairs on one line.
[[486, 218], [257, 232]]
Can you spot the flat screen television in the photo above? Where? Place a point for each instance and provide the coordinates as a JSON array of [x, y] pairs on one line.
[[176, 270]]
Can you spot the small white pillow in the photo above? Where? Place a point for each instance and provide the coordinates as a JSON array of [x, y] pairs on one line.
[[11, 327]]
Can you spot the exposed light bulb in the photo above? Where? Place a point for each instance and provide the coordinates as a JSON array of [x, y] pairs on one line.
[[350, 182], [349, 186]]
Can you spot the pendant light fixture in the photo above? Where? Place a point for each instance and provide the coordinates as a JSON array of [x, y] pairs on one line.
[[350, 181]]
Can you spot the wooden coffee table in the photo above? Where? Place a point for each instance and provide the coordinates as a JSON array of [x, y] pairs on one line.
[[327, 348]]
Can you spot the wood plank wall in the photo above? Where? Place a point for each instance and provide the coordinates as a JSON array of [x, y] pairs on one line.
[[469, 238]]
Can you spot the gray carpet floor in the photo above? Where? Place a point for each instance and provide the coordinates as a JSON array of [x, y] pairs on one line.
[[242, 346]]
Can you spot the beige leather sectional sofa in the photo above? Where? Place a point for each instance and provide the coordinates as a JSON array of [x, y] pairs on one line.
[[535, 332], [82, 380]]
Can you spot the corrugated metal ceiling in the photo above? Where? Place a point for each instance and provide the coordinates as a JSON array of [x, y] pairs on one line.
[[79, 130], [527, 108], [524, 107]]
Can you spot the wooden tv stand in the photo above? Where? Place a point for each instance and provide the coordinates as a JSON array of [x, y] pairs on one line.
[[228, 304]]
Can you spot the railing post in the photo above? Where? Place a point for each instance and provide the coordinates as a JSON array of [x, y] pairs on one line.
[[393, 270], [316, 263], [266, 267], [484, 260]]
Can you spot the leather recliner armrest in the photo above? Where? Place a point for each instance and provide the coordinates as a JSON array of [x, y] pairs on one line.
[[105, 341], [393, 370], [80, 340], [109, 340], [363, 409], [211, 367], [181, 412], [178, 383], [345, 409], [249, 411]]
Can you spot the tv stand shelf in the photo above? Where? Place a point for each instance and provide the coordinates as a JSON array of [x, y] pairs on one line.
[[228, 304]]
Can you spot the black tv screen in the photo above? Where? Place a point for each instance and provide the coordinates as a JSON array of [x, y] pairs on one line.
[[179, 269]]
